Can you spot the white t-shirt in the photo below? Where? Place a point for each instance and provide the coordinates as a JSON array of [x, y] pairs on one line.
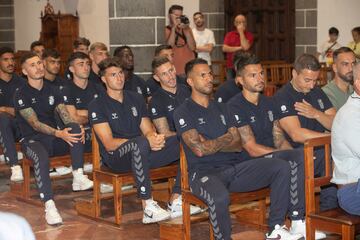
[[325, 46], [202, 38]]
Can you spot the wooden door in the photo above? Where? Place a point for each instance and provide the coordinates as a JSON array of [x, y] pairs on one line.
[[271, 21]]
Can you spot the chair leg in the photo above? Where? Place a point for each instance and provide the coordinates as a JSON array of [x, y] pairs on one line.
[[211, 232], [186, 218], [310, 230], [117, 184], [262, 212], [347, 232], [26, 183], [97, 201]]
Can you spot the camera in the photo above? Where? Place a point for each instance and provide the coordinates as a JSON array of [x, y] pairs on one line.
[[184, 19]]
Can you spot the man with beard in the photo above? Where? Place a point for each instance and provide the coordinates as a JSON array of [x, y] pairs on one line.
[[133, 82], [340, 88], [52, 60], [204, 38], [9, 131], [98, 52]]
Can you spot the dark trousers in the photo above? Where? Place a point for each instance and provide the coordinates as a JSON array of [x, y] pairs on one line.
[[9, 133], [136, 155], [40, 147], [213, 187]]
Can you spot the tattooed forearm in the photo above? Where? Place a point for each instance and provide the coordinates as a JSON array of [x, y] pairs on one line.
[[30, 116], [162, 127], [64, 114], [202, 147], [235, 145], [280, 141], [246, 134]]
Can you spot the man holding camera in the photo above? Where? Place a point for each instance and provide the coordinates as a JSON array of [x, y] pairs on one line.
[[179, 35]]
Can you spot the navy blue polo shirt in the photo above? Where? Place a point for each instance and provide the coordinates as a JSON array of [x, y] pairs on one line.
[[80, 98], [124, 118], [136, 84], [93, 77], [211, 122], [226, 91], [154, 85], [58, 81], [287, 96], [163, 103], [7, 90], [259, 117], [43, 102]]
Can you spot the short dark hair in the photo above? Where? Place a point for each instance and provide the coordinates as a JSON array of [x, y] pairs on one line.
[[27, 56], [35, 44], [81, 41], [196, 13], [192, 63], [161, 47], [242, 59], [51, 53], [118, 50], [175, 7], [77, 55], [306, 61], [158, 61], [356, 29], [108, 63], [341, 50], [333, 30], [4, 50]]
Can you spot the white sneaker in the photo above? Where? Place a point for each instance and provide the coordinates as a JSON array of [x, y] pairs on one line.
[[20, 155], [52, 215], [53, 172], [63, 170], [88, 167], [106, 188], [175, 208], [16, 174], [282, 233], [81, 181], [2, 158], [299, 226], [154, 213]]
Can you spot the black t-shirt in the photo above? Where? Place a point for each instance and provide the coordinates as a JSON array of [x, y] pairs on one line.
[[211, 122], [259, 117], [7, 90], [163, 103], [58, 81], [43, 102], [226, 91], [95, 78], [136, 84], [124, 118], [153, 85], [287, 96]]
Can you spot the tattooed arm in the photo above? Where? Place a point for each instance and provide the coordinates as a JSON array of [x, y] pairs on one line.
[[30, 116], [280, 141], [235, 145], [77, 115], [64, 114], [202, 147], [162, 127], [249, 143]]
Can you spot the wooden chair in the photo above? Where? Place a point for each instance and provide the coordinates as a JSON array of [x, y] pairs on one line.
[[102, 174], [255, 216], [219, 70], [277, 74], [335, 220]]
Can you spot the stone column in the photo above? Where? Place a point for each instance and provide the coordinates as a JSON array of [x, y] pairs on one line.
[[7, 33]]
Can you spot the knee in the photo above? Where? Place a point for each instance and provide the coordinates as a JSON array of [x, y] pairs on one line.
[[220, 198], [143, 144]]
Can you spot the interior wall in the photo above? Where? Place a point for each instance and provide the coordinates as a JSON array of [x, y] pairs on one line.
[[93, 19], [190, 7], [342, 14]]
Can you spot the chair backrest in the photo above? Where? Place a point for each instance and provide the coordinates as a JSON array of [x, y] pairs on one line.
[[184, 169], [312, 182], [278, 73], [95, 151]]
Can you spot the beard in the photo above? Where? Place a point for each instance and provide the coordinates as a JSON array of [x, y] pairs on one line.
[[349, 78]]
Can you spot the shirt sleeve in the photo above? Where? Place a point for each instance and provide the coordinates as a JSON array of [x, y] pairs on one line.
[[142, 107], [21, 101], [212, 37], [236, 115], [284, 106], [96, 113], [66, 94], [183, 121], [156, 110], [227, 39]]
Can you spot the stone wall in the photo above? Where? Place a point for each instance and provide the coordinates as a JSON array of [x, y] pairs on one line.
[[140, 25], [7, 33]]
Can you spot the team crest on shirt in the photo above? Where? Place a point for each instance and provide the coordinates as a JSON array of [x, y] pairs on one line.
[[114, 116], [222, 117], [65, 98], [51, 100], [182, 123], [93, 115], [134, 111], [21, 103], [153, 111], [170, 108], [237, 118], [283, 109], [252, 119], [321, 104], [219, 99], [271, 116], [96, 96], [139, 90]]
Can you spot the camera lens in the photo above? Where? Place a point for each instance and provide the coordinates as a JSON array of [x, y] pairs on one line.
[[184, 19]]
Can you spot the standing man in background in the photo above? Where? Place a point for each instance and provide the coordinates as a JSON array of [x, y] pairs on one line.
[[204, 38]]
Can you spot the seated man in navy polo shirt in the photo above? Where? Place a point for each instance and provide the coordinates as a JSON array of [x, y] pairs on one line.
[[216, 163], [163, 50], [167, 98], [258, 125], [133, 82], [98, 52], [9, 130], [306, 112], [52, 62], [35, 104], [127, 139]]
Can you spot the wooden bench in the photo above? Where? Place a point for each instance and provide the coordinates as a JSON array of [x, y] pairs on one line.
[[249, 208], [92, 207], [335, 220]]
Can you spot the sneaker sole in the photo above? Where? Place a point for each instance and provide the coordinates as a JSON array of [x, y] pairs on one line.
[[157, 220], [77, 188], [55, 224]]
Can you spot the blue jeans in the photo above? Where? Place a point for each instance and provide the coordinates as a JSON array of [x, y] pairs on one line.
[[349, 198]]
